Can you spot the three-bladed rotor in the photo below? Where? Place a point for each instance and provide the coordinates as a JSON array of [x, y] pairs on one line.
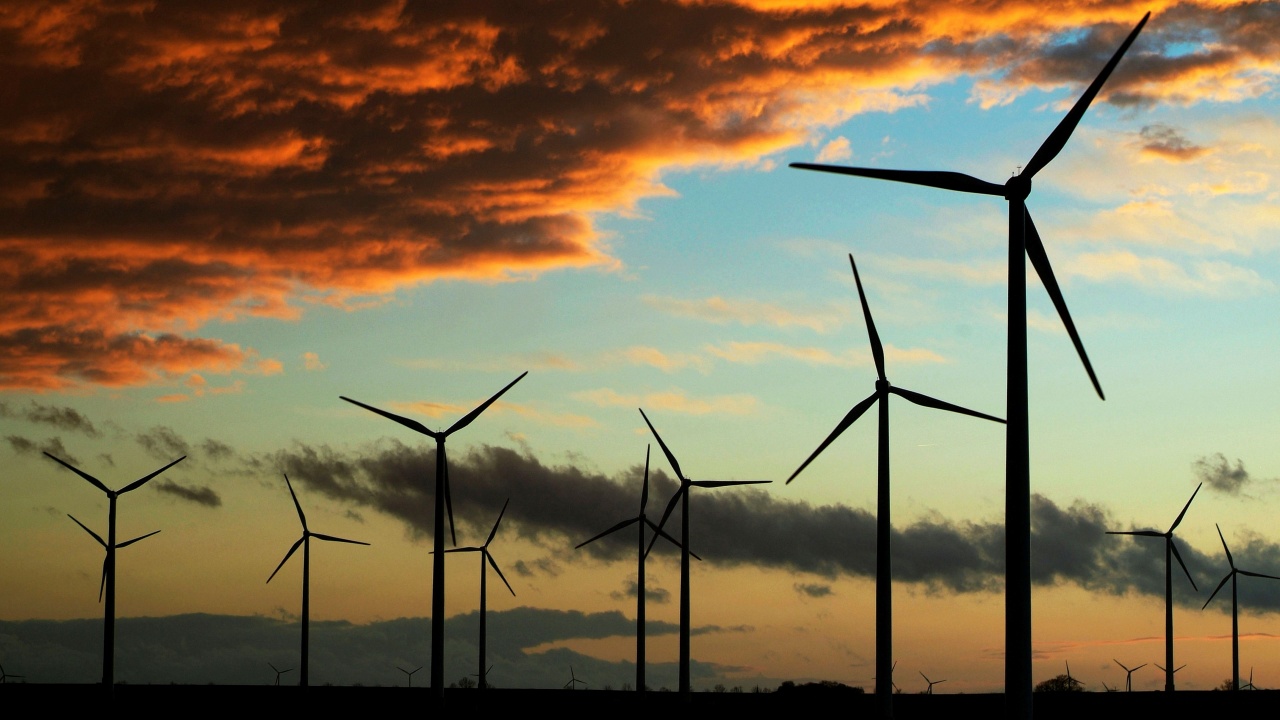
[[484, 549], [306, 532]]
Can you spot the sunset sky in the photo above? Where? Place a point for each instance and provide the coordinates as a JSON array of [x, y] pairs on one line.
[[216, 221]]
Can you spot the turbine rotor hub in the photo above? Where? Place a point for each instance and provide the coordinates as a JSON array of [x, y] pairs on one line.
[[1017, 187]]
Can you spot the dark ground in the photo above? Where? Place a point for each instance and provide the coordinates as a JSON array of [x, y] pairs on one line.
[[1048, 706]]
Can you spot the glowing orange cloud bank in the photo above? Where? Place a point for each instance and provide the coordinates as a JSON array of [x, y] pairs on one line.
[[166, 164]]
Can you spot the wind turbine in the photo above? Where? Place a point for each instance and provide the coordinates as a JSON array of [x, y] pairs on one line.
[[1023, 240], [6, 677], [642, 521], [279, 672], [1249, 685], [442, 500], [409, 673], [683, 492], [1071, 682], [305, 542], [1169, 549], [884, 527], [929, 690], [108, 582], [1235, 618], [573, 680], [486, 556], [1128, 677]]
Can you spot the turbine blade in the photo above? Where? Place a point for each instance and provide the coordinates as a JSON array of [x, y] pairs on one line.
[[499, 571], [411, 424], [666, 514], [1143, 533], [332, 538], [494, 531], [1178, 557], [471, 548], [930, 178], [301, 516], [102, 584], [1258, 575], [127, 543], [844, 424], [644, 490], [1184, 509], [287, 555], [1058, 138], [877, 350], [144, 480], [93, 480], [670, 458], [613, 529], [1120, 664], [1214, 594], [670, 539], [95, 535], [448, 496], [1230, 560], [926, 401], [727, 483], [1040, 261], [466, 419]]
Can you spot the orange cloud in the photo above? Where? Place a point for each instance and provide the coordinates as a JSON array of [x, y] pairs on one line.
[[166, 165]]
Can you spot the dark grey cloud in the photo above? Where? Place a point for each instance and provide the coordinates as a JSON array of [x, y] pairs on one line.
[[163, 443], [53, 446], [1169, 143], [1218, 473], [59, 416], [200, 495], [217, 450], [558, 507], [813, 590], [652, 594]]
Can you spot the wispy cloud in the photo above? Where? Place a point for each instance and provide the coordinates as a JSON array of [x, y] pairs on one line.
[[751, 312], [757, 352], [673, 401]]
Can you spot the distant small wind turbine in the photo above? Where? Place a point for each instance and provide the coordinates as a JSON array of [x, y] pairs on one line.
[[486, 556], [1235, 616], [929, 690], [1024, 243], [279, 672], [442, 499], [642, 520], [682, 496], [1170, 551], [305, 543], [884, 523], [409, 673], [6, 677], [1249, 685], [1128, 676], [108, 582], [573, 680]]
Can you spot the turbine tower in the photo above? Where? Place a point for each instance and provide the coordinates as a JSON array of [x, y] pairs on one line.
[[1235, 617], [884, 525], [108, 581], [305, 542], [1024, 242], [682, 495], [486, 556], [1170, 549], [1128, 676], [642, 521], [442, 500]]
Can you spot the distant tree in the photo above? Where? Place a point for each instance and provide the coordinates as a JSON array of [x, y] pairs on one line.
[[1061, 683], [719, 688], [464, 683], [1227, 684]]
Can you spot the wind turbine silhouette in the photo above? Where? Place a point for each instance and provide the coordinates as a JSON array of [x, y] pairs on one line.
[[929, 690], [279, 672], [1071, 682], [1023, 240], [442, 500], [1169, 549], [643, 520], [6, 677], [1128, 677], [108, 582], [884, 525], [573, 680], [305, 542], [683, 493], [1235, 618], [409, 673], [485, 555]]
